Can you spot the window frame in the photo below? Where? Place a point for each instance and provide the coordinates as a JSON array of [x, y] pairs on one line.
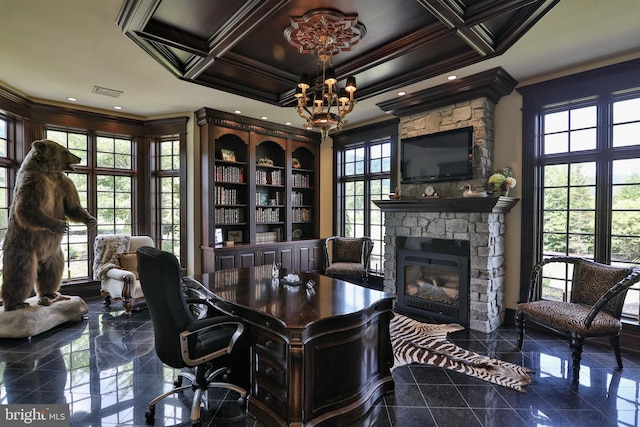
[[364, 137], [600, 87]]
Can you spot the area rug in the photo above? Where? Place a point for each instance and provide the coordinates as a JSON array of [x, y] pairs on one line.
[[427, 343]]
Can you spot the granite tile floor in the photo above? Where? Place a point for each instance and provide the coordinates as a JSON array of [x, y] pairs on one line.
[[105, 368]]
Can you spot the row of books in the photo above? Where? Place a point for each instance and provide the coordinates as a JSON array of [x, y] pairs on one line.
[[226, 196], [268, 177], [301, 180], [264, 215], [229, 174], [297, 198], [301, 214], [229, 215]]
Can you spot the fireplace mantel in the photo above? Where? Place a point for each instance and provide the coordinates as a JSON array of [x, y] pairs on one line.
[[449, 204]]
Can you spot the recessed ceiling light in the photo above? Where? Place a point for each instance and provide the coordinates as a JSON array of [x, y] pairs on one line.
[[264, 117], [72, 99], [452, 77], [238, 112], [117, 107], [288, 123], [402, 93]]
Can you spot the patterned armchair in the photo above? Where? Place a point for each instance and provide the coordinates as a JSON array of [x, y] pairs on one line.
[[116, 266], [594, 310], [347, 257]]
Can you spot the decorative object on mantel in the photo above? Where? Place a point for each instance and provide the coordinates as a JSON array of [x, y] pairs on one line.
[[468, 192], [502, 181], [395, 195], [427, 343], [430, 192]]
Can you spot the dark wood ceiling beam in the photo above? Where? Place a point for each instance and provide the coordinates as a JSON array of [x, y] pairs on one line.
[[249, 16], [527, 17], [489, 9], [417, 75], [452, 15], [395, 49], [249, 65]]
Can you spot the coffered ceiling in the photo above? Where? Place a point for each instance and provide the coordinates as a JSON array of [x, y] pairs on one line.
[[151, 51], [240, 47]]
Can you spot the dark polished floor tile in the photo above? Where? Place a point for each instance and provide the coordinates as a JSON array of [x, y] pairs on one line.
[[402, 416], [106, 369], [499, 417], [455, 417]]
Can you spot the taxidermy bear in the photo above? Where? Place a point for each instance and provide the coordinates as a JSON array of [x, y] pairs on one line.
[[44, 199]]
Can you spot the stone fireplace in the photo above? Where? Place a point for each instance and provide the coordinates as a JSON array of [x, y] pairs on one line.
[[433, 277], [480, 221]]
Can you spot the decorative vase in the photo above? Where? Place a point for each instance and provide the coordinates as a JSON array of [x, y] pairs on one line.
[[504, 192]]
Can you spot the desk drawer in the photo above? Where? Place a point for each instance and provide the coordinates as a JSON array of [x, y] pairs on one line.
[[269, 368], [271, 344], [274, 397]]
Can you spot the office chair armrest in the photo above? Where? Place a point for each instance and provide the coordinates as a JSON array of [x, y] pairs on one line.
[[203, 325]]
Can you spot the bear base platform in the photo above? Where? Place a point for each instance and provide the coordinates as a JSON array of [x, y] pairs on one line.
[[36, 318]]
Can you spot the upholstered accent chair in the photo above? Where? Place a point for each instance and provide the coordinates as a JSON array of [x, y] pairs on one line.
[[116, 266], [594, 308], [211, 352], [347, 257]]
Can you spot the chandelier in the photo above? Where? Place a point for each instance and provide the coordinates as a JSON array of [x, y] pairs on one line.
[[324, 33]]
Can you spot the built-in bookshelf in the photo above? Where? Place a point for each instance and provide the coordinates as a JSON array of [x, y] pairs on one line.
[[259, 186]]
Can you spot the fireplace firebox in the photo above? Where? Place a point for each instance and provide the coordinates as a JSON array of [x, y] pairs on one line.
[[433, 279]]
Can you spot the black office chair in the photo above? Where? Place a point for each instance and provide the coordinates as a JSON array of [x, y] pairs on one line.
[[211, 345]]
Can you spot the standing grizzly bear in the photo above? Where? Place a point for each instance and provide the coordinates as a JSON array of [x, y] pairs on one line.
[[44, 199]]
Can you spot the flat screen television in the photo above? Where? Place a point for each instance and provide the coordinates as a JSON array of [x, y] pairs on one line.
[[442, 156]]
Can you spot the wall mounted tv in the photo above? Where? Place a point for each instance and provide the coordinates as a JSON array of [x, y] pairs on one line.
[[442, 156]]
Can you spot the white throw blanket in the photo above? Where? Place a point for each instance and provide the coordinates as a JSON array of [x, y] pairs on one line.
[[106, 249]]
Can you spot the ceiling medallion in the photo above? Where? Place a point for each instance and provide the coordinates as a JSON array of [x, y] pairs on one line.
[[324, 33]]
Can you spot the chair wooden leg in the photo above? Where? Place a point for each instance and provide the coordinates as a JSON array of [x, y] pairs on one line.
[[520, 328], [615, 343], [576, 353]]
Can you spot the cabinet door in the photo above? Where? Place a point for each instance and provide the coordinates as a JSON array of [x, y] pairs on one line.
[[269, 256], [249, 259], [225, 262], [287, 259], [309, 256]]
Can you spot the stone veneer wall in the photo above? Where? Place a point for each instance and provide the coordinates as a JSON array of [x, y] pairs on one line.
[[485, 231], [478, 113]]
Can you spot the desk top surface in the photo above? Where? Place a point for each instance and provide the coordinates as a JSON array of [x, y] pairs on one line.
[[293, 306]]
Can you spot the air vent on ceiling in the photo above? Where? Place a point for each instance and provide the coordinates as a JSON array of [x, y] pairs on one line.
[[107, 92]]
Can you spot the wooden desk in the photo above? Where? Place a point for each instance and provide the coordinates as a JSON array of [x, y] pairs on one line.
[[318, 356]]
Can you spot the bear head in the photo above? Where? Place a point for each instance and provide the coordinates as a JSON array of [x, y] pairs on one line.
[[49, 156]]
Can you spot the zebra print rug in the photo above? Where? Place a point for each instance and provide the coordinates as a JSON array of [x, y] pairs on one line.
[[427, 343]]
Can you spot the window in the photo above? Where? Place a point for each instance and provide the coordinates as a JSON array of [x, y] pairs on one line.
[[109, 179], [585, 163], [168, 176], [365, 169]]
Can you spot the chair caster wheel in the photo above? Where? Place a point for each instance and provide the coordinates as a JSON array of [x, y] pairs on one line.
[[150, 415]]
